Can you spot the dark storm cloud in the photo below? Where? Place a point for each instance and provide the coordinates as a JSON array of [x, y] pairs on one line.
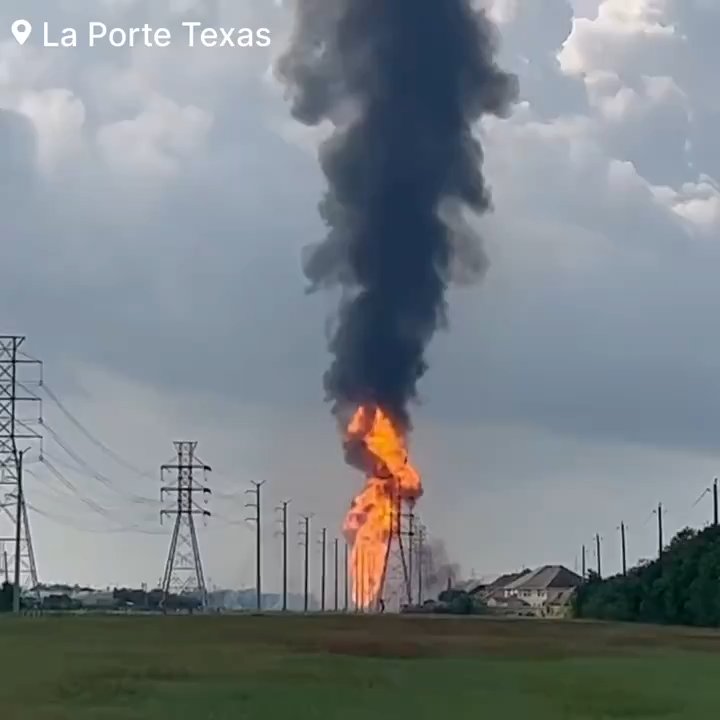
[[404, 83]]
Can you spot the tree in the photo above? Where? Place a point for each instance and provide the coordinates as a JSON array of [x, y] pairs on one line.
[[6, 597], [680, 588]]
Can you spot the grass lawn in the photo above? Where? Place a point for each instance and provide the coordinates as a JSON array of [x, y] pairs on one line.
[[237, 667]]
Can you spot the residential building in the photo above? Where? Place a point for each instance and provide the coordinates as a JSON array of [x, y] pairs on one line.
[[545, 586]]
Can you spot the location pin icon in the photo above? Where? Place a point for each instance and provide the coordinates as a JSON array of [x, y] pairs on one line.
[[21, 30]]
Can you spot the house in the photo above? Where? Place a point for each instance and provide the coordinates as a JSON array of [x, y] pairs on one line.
[[549, 585], [501, 604], [560, 605], [498, 586]]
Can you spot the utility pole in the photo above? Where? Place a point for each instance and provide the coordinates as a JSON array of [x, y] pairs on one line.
[[183, 568], [360, 581], [284, 532], [258, 541], [624, 548], [337, 579], [584, 562], [16, 394], [597, 550], [17, 589], [6, 569], [305, 535], [420, 561], [345, 576], [411, 543], [323, 545], [659, 513]]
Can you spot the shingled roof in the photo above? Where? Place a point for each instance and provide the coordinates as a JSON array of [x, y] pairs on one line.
[[546, 577], [506, 580]]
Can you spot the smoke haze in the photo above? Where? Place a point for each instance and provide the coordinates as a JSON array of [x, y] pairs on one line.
[[437, 568]]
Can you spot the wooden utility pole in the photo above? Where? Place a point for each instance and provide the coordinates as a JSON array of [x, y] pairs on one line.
[[305, 520], [584, 562], [336, 575], [284, 509], [411, 544], [660, 530], [345, 577], [715, 503], [624, 549], [420, 562], [258, 541], [598, 551], [323, 544]]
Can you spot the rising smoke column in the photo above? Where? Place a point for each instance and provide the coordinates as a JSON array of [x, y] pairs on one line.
[[402, 82]]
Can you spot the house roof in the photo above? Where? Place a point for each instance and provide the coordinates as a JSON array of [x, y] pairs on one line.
[[506, 580], [546, 577], [474, 586]]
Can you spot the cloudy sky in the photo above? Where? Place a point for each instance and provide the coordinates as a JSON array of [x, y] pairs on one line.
[[154, 206]]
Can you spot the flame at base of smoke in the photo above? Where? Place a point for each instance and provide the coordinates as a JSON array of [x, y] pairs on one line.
[[375, 443]]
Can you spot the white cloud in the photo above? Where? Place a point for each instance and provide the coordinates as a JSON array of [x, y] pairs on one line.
[[59, 120], [154, 143], [698, 204]]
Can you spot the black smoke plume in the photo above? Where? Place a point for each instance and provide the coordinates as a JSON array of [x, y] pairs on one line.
[[402, 83]]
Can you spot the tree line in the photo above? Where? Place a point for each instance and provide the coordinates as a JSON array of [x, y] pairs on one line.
[[153, 600], [681, 587]]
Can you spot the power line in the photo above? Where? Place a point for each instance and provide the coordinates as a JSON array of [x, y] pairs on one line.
[[92, 472], [95, 507], [92, 438], [71, 523]]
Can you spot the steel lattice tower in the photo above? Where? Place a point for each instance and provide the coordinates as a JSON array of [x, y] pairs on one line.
[[183, 569], [16, 428], [396, 588]]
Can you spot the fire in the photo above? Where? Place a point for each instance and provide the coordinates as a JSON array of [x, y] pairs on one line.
[[374, 443]]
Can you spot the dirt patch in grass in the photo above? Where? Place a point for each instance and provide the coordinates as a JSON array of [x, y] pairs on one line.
[[400, 637]]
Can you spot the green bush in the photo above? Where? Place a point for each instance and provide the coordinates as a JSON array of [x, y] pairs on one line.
[[6, 597], [680, 588]]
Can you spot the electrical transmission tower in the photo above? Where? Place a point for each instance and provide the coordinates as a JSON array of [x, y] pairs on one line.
[[183, 569], [395, 586], [18, 374]]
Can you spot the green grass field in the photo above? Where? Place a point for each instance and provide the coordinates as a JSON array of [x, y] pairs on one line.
[[237, 667]]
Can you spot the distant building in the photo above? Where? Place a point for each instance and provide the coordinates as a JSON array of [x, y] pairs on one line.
[[97, 599], [547, 585], [499, 586], [546, 591], [510, 605]]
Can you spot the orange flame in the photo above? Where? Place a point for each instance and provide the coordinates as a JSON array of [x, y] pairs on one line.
[[374, 443]]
